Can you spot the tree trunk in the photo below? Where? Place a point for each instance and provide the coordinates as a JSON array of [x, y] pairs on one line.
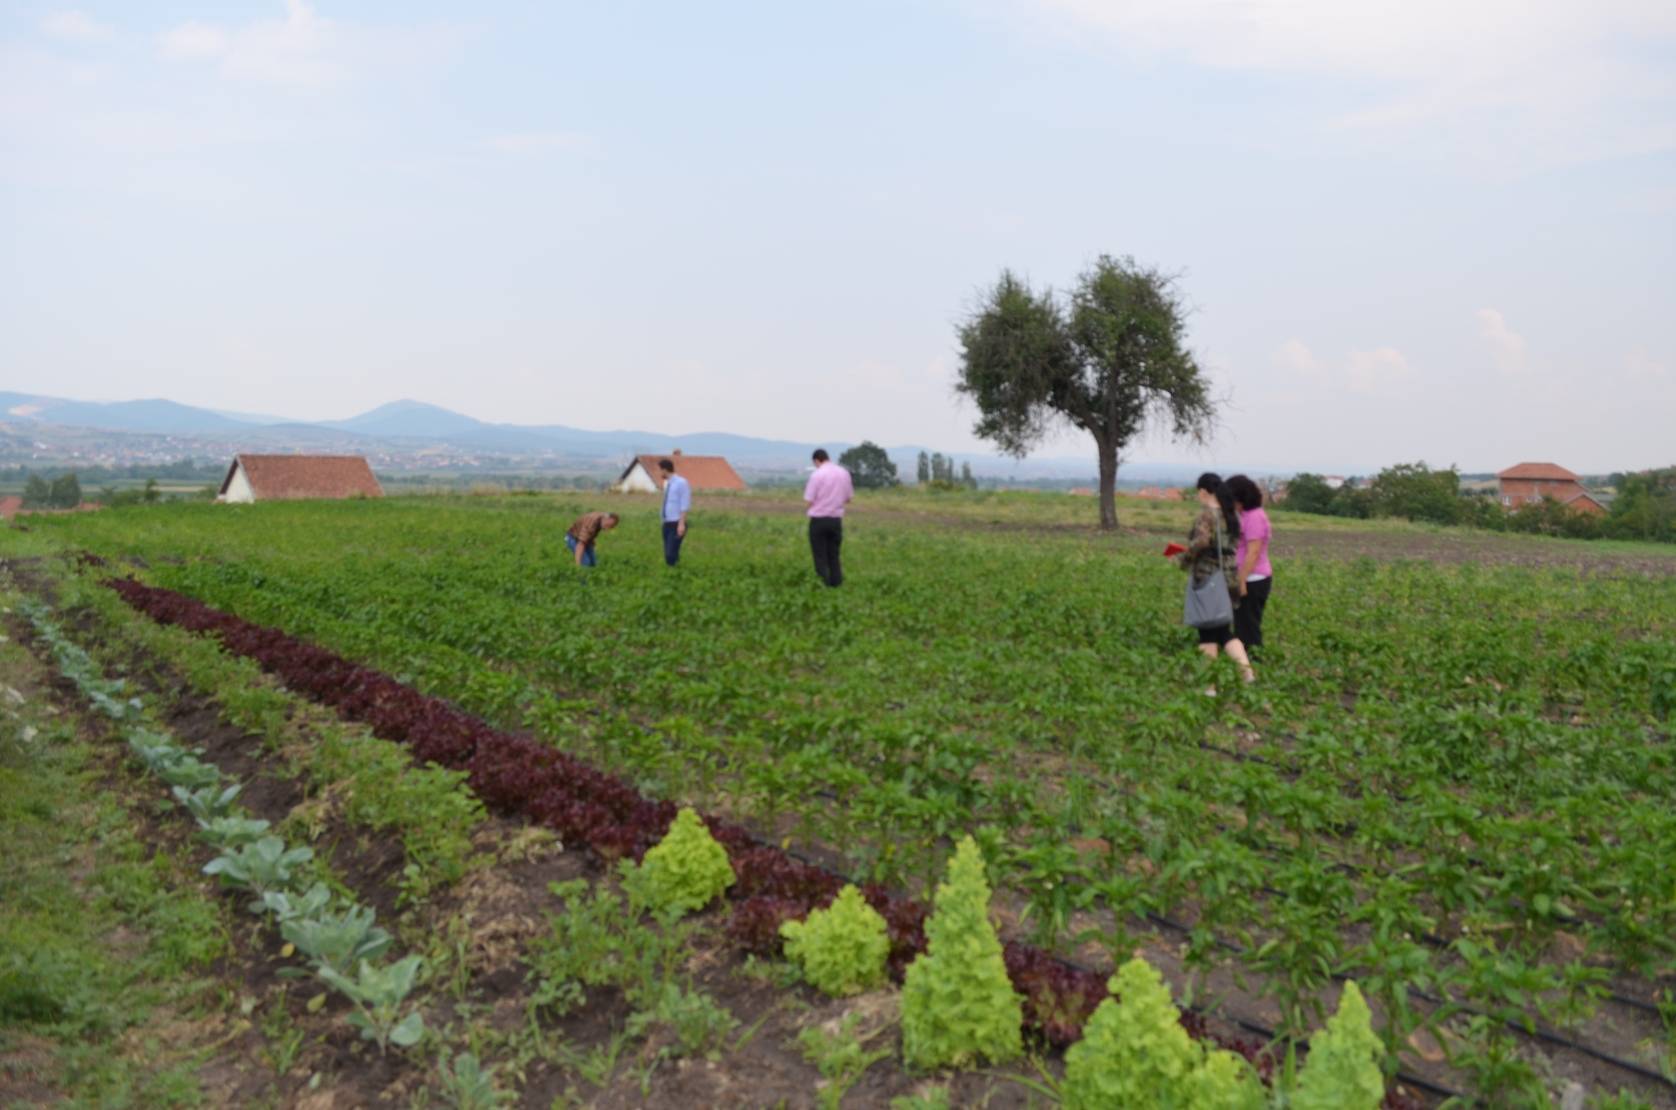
[[1108, 483]]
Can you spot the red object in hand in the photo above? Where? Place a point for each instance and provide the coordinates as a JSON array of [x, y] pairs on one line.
[[1173, 549]]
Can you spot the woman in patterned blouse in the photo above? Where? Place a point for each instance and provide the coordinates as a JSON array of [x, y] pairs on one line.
[[1204, 557]]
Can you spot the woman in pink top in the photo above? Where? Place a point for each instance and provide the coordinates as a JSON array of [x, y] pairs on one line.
[[1256, 575]]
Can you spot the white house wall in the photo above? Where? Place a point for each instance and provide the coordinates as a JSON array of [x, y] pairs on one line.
[[637, 481], [238, 490]]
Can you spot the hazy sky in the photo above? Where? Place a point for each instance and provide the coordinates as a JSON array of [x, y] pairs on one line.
[[1409, 229]]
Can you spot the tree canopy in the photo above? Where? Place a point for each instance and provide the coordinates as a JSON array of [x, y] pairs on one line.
[[1109, 360], [869, 466]]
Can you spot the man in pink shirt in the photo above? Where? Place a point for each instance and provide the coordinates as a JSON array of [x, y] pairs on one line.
[[828, 491]]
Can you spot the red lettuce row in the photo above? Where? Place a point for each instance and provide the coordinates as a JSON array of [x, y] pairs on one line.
[[519, 775]]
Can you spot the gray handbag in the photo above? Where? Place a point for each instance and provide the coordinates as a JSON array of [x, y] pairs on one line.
[[1208, 604]]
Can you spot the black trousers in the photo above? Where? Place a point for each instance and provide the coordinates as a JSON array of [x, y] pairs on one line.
[[671, 542], [1248, 618], [826, 536]]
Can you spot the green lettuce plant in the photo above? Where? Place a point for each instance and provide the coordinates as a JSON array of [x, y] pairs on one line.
[[841, 949], [1342, 1071], [1134, 1055], [685, 871], [958, 1005]]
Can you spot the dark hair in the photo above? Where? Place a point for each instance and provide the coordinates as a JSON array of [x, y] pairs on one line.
[[613, 518], [1248, 495], [665, 464], [1212, 483], [820, 455]]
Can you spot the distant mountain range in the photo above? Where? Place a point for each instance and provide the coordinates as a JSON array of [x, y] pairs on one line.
[[408, 433]]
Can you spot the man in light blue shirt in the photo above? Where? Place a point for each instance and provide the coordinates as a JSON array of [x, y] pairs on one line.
[[677, 501]]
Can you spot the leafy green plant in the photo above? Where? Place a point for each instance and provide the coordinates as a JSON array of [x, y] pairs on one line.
[[285, 905], [338, 941], [378, 994], [468, 1085], [683, 872], [931, 1098], [191, 773], [208, 803], [958, 1005], [232, 832], [841, 1057], [1134, 1054], [841, 949], [259, 867], [1343, 1069], [697, 1022]]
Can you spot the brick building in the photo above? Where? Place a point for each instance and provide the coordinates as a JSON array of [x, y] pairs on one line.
[[1530, 482]]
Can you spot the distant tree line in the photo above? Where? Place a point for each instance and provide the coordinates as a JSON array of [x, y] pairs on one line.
[[1644, 508], [183, 470], [63, 492], [936, 471]]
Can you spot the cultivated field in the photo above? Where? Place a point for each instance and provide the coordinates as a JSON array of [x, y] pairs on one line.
[[1453, 782]]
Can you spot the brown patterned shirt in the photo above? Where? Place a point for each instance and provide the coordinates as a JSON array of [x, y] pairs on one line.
[[587, 527], [1203, 558]]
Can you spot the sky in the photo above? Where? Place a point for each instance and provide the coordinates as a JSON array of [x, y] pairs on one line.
[[1405, 230]]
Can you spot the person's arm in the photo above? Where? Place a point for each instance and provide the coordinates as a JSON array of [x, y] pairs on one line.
[[1203, 536], [1253, 552], [581, 549], [686, 506]]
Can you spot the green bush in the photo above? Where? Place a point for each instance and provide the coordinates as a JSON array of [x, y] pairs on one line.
[[685, 871], [1342, 1072], [958, 1005], [1135, 1054], [841, 949]]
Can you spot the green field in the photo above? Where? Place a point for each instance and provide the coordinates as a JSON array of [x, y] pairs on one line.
[[1452, 782]]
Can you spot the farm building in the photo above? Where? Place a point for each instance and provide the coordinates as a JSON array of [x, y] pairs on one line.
[[1530, 482], [297, 478], [704, 472], [1159, 493]]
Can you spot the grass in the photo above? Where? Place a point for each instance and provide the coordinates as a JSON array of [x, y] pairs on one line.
[[101, 935]]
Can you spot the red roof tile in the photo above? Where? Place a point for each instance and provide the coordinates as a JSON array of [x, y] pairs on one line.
[[300, 477], [9, 507], [1539, 472], [700, 471]]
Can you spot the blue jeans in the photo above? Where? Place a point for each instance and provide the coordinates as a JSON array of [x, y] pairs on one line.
[[671, 542], [587, 552]]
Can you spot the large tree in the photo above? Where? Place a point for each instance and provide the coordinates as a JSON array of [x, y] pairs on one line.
[[1108, 361], [869, 466]]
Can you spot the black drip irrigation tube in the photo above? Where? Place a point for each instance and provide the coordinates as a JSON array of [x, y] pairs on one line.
[[1432, 940]]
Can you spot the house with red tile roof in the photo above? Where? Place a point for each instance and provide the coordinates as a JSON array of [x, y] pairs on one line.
[[1530, 482], [702, 472], [9, 506], [297, 478]]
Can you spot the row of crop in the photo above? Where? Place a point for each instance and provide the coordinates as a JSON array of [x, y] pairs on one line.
[[515, 774], [374, 782], [340, 941], [1303, 947], [1300, 942]]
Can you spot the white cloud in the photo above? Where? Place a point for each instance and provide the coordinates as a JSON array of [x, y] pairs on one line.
[[1500, 81], [1507, 344], [194, 40], [525, 142], [302, 50], [1293, 355], [75, 25], [1376, 371]]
